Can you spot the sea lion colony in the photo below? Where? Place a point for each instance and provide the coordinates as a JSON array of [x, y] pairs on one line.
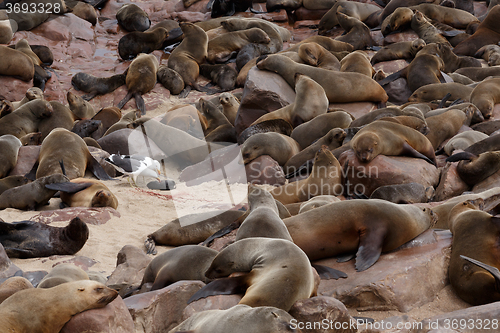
[[396, 123]]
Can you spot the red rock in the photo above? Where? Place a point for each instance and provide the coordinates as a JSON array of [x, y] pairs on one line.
[[113, 318], [377, 37], [405, 36], [384, 286], [480, 8], [26, 158], [13, 89], [450, 184], [490, 182], [385, 170], [161, 310], [265, 170], [390, 67], [219, 302], [357, 109]]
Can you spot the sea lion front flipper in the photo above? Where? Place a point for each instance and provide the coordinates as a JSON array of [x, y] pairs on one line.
[[492, 270], [410, 151], [32, 174], [13, 252], [88, 97], [461, 156], [346, 257], [185, 92], [223, 286], [370, 247], [224, 231], [68, 187], [97, 169], [327, 273]]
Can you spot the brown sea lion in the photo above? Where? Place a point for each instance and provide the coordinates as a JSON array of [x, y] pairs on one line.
[[349, 87], [274, 125], [463, 140], [96, 85], [230, 106], [479, 74], [170, 79], [31, 94], [221, 48], [7, 28], [485, 95], [490, 53], [369, 227], [357, 33], [25, 119], [473, 169], [425, 30], [331, 45], [410, 121], [280, 147], [62, 273], [59, 303], [40, 76], [9, 149], [85, 11], [16, 64], [446, 125], [108, 117], [130, 45], [12, 285], [61, 117], [361, 11], [316, 55], [404, 193], [452, 62], [11, 182], [85, 192], [383, 113], [437, 91], [272, 31], [400, 50], [357, 62], [222, 75], [132, 18]]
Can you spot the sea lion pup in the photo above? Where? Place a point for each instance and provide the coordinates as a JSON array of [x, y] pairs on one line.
[[325, 178], [446, 125], [170, 79], [404, 193], [452, 62], [307, 133], [357, 62], [9, 149], [85, 192], [31, 195], [280, 147], [474, 264], [332, 140], [28, 239], [11, 182], [25, 119], [239, 318], [391, 139], [85, 11], [486, 33], [81, 108], [479, 74], [141, 78], [485, 95], [132, 18], [94, 85], [318, 201], [62, 147], [410, 121], [186, 58], [206, 224], [400, 50], [138, 42], [317, 56], [369, 227], [230, 106], [463, 140], [222, 47], [437, 91], [40, 76], [350, 8], [490, 53], [186, 262], [275, 125], [222, 75], [12, 285], [473, 169], [310, 101], [62, 273], [383, 113], [349, 87], [357, 33], [31, 94], [219, 129], [328, 43], [271, 265], [48, 310]]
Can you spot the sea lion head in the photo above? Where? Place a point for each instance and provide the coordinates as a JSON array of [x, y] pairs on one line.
[[336, 135], [432, 215], [95, 294], [103, 198], [365, 146], [76, 232], [417, 45]]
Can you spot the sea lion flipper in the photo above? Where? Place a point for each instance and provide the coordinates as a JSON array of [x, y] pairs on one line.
[[410, 151], [97, 169], [492, 270], [139, 102], [223, 286], [370, 247], [32, 174], [327, 273], [150, 245], [68, 187], [346, 257], [224, 231], [461, 156], [88, 97]]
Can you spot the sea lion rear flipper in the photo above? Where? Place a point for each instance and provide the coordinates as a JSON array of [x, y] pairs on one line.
[[19, 253], [492, 270], [370, 247], [97, 169], [224, 231], [88, 97], [440, 151], [124, 100], [68, 187], [32, 174], [444, 100], [327, 273], [345, 257], [393, 77], [461, 156], [139, 102], [410, 151], [224, 286], [185, 92]]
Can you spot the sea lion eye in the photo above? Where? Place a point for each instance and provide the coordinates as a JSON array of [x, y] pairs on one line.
[[99, 290]]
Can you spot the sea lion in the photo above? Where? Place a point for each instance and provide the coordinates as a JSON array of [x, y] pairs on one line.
[[222, 75], [361, 11], [316, 55], [96, 85], [64, 147], [305, 134], [141, 78], [25, 119], [357, 33], [11, 182], [173, 234], [170, 79], [12, 285], [315, 202], [219, 129], [490, 53], [86, 127], [108, 117], [275, 125], [485, 95], [310, 102], [477, 116], [382, 113], [349, 87], [473, 169], [487, 33], [85, 11], [391, 139], [85, 192], [248, 53], [463, 140], [7, 28], [325, 178], [59, 304], [132, 18], [479, 74], [487, 127], [61, 117], [191, 52], [270, 265], [410, 121], [491, 143], [134, 43], [40, 76], [230, 106], [400, 50], [28, 239], [331, 45], [229, 7], [240, 318], [221, 47], [459, 78], [62, 273], [16, 64], [369, 227], [446, 125], [31, 94], [399, 20], [475, 234], [437, 91], [9, 148], [404, 193], [357, 62], [452, 62], [280, 147]]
